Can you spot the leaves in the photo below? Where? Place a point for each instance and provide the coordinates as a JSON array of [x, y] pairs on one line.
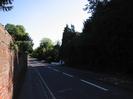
[[21, 38], [6, 5], [106, 41], [47, 51]]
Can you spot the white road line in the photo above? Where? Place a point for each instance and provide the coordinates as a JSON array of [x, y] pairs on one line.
[[42, 86], [67, 74], [97, 86], [53, 97], [56, 70]]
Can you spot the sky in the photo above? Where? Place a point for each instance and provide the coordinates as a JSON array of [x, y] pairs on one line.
[[46, 18]]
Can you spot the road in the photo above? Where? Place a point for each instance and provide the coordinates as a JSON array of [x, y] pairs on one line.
[[49, 81]]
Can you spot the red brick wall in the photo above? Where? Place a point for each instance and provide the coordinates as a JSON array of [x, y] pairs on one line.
[[6, 65]]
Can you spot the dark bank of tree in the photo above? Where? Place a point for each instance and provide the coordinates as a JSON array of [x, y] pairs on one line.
[[68, 50], [47, 51], [106, 41]]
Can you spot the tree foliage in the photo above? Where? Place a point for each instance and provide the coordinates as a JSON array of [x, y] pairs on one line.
[[21, 38], [6, 5], [46, 43], [47, 51], [67, 48], [106, 41], [18, 32]]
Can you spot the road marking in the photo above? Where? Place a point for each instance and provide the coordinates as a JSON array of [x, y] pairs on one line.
[[65, 90], [53, 97], [67, 74], [42, 86], [56, 70], [97, 86]]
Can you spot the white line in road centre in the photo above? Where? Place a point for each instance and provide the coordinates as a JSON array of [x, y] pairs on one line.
[[53, 97], [97, 86], [42, 86], [56, 70], [67, 74]]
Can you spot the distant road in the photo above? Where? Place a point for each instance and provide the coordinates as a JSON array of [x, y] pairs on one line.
[[48, 81]]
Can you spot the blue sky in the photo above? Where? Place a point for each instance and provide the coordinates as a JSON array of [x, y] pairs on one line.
[[46, 18]]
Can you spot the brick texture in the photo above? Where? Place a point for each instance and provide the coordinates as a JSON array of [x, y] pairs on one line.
[[6, 65]]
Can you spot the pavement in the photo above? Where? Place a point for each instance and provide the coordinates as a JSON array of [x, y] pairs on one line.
[[51, 81]]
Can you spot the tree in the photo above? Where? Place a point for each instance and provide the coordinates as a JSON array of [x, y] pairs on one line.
[[46, 43], [105, 44], [6, 5], [55, 52], [47, 51], [21, 38], [66, 51], [109, 31], [43, 52], [92, 5], [17, 31]]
